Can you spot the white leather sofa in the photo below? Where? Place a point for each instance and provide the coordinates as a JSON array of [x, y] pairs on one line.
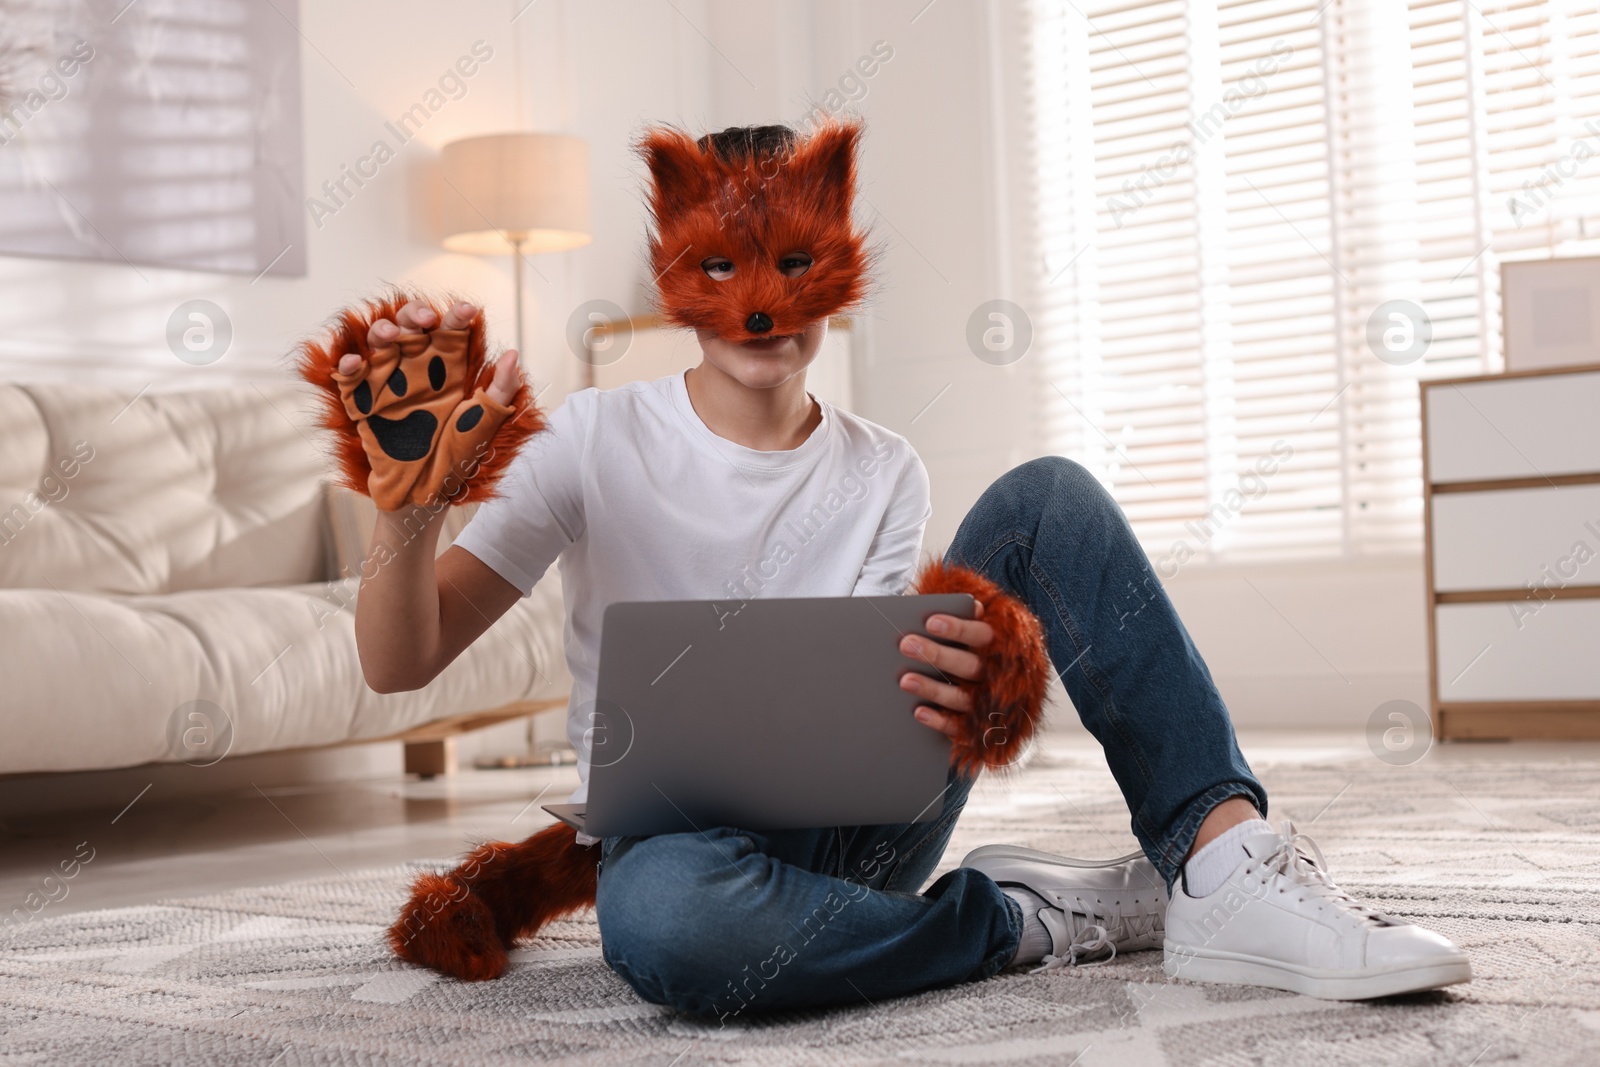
[[162, 549]]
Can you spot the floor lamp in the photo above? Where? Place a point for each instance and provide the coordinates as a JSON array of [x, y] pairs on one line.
[[516, 194]]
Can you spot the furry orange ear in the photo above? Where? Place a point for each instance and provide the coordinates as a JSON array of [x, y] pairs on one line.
[[826, 164], [679, 174]]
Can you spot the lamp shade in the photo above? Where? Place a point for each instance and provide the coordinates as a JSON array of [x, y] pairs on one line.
[[505, 189]]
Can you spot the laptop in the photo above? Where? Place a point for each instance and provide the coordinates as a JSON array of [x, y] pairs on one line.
[[762, 714]]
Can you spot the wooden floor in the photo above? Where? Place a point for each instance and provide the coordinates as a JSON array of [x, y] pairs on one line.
[[167, 843]]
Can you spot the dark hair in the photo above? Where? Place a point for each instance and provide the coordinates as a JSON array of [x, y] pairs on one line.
[[742, 142]]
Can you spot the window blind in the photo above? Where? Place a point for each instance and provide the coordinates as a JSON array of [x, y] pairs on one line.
[[1225, 192]]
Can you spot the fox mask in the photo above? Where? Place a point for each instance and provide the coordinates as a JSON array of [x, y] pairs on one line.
[[757, 241]]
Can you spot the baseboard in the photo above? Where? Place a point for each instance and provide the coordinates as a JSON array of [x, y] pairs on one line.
[[1298, 702], [1272, 702], [1316, 702]]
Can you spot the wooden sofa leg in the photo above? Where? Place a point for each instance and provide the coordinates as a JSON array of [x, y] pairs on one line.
[[430, 758], [431, 748]]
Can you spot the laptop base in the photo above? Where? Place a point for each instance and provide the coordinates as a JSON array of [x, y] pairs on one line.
[[571, 814]]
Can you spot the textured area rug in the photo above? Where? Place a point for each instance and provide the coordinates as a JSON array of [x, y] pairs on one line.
[[1502, 857]]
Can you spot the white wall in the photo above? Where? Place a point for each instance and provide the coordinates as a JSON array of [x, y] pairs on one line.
[[1313, 645], [1292, 644], [942, 184], [594, 69]]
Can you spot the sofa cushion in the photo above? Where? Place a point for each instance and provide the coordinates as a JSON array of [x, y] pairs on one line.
[[142, 493], [97, 681], [352, 518]]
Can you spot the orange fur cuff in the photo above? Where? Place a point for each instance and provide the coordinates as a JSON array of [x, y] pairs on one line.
[[1008, 700]]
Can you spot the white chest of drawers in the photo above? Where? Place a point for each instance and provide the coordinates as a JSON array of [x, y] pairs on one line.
[[1511, 475]]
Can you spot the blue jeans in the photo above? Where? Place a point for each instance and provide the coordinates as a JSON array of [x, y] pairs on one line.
[[731, 921]]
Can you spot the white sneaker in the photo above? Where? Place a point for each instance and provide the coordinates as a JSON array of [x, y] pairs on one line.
[[1093, 908], [1280, 921]]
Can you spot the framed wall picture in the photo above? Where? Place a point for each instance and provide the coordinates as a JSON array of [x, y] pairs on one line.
[[158, 134], [1551, 312]]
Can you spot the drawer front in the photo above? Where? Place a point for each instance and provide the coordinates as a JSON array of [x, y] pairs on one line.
[[1519, 651], [1510, 537], [1514, 427]]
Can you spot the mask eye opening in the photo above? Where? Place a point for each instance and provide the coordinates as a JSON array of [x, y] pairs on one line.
[[718, 268], [793, 264]]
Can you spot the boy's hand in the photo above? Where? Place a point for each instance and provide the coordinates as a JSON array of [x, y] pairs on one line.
[[947, 704], [417, 318]]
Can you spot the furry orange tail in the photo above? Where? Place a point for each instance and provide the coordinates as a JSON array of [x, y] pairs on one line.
[[465, 922]]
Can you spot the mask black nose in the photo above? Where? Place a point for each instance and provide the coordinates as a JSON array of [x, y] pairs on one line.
[[758, 322]]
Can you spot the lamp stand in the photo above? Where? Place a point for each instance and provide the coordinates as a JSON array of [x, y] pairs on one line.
[[516, 281]]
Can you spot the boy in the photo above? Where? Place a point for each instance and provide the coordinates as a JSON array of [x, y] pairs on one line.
[[680, 489]]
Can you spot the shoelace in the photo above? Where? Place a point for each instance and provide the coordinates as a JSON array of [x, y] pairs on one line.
[[1298, 859], [1090, 936]]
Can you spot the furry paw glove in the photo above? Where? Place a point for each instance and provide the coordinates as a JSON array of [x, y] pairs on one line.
[[1008, 701], [415, 423]]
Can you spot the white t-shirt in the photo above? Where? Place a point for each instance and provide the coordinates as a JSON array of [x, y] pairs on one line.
[[639, 500]]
